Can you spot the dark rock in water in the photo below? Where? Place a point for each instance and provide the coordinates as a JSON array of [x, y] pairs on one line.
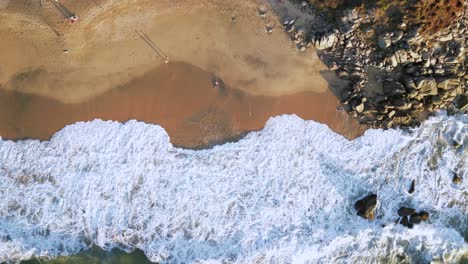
[[411, 189], [406, 211], [404, 221], [424, 215], [415, 219], [365, 207], [456, 179]]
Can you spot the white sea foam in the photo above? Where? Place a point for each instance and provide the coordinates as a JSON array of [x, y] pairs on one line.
[[283, 194]]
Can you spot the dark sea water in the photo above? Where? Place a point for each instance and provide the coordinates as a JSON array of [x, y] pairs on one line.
[[96, 255]]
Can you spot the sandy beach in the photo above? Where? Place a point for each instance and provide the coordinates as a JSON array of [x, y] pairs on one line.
[[179, 97], [104, 66]]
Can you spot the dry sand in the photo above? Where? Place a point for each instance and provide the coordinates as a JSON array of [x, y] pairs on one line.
[[109, 72], [105, 51]]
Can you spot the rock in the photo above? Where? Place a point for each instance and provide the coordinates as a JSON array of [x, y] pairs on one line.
[[365, 207], [360, 108], [445, 38], [326, 41], [436, 100], [413, 93], [439, 71], [411, 189], [406, 211], [402, 26], [414, 55], [384, 41], [404, 221], [287, 20], [424, 216], [393, 60], [415, 219], [393, 88], [396, 36], [456, 179], [451, 60], [426, 85]]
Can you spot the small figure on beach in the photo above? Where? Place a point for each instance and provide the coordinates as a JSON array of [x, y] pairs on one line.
[[72, 18], [215, 82]]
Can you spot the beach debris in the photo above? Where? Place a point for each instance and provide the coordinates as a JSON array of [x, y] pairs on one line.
[[406, 211], [411, 189], [65, 51], [365, 207], [456, 179], [233, 19], [268, 29]]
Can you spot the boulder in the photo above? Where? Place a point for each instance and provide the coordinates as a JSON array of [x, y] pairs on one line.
[[384, 41], [365, 207], [456, 179], [445, 38], [404, 221], [326, 41], [360, 108], [426, 85], [393, 88], [406, 211], [415, 219], [396, 36], [424, 215]]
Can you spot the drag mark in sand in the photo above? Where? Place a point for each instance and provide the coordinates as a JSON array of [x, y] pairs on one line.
[[60, 7], [153, 46]]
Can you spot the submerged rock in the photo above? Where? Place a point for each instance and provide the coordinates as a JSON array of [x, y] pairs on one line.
[[365, 207]]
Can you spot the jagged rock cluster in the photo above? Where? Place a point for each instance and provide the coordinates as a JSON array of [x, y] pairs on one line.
[[397, 75]]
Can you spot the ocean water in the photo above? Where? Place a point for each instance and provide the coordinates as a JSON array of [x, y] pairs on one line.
[[284, 194]]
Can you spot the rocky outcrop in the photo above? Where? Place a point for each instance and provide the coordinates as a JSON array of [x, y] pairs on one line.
[[413, 71]]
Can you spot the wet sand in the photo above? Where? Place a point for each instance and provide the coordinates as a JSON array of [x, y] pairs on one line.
[[179, 97]]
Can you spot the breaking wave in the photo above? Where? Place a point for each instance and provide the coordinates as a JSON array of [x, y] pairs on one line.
[[283, 194]]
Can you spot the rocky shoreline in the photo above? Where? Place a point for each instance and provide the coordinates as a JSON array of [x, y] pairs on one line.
[[398, 73]]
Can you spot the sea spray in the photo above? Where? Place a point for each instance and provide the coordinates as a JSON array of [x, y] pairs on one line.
[[282, 194]]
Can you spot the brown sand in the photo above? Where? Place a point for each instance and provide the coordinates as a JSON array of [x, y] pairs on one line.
[[104, 50], [177, 96]]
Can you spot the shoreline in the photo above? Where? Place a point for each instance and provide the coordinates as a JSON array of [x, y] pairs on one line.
[[179, 97]]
